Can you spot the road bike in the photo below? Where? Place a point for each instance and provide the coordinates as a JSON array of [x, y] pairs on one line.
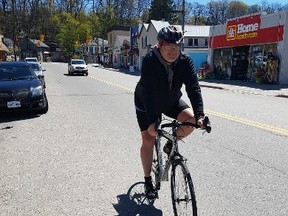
[[182, 189]]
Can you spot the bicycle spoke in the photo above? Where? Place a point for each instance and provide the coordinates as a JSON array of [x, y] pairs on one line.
[[183, 197]]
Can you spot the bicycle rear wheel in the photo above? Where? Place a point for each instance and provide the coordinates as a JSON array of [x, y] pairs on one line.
[[182, 190]]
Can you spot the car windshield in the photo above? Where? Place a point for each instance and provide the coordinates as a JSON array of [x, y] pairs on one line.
[[31, 60], [78, 62], [35, 67], [15, 73]]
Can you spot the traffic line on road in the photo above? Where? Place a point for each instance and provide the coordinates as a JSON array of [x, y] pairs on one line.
[[271, 128], [113, 84]]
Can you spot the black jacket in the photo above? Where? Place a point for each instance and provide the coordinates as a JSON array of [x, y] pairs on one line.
[[152, 93]]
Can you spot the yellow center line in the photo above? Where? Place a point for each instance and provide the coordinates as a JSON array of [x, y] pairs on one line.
[[266, 127], [113, 84], [271, 128]]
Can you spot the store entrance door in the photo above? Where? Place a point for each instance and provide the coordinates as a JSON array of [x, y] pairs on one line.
[[240, 63]]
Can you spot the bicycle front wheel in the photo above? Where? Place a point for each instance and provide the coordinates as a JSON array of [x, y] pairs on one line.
[[182, 190], [156, 168]]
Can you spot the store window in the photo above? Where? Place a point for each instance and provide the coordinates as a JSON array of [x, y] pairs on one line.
[[263, 64], [222, 63]]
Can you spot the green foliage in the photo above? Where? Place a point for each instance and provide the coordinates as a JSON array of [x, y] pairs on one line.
[[70, 31], [162, 9]]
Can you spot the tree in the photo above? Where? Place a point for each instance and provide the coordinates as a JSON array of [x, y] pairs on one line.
[[236, 9], [213, 13], [199, 14], [70, 31], [162, 9], [254, 9]]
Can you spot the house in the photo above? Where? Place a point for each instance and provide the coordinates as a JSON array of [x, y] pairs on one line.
[[128, 46], [3, 49], [134, 43], [195, 41], [32, 48], [118, 46], [148, 37], [97, 50]]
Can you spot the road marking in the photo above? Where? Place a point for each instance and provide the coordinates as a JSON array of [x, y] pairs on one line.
[[113, 84], [271, 128], [266, 127]]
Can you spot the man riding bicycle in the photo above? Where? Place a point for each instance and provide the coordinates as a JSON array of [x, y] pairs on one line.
[[164, 70]]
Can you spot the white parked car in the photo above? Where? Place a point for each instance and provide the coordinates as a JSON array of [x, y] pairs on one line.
[[31, 59], [78, 66]]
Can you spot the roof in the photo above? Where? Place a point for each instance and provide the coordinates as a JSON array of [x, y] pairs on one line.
[[43, 45], [143, 27], [196, 31], [3, 47], [158, 24]]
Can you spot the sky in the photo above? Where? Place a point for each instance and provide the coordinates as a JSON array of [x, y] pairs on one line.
[[248, 2]]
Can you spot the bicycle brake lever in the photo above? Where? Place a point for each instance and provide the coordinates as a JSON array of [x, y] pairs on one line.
[[207, 124]]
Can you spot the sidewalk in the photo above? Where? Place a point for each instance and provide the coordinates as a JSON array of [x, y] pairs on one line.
[[239, 86]]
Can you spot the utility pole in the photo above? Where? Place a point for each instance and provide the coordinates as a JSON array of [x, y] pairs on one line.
[[183, 20]]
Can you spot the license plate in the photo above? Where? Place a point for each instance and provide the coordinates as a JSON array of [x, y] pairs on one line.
[[13, 104]]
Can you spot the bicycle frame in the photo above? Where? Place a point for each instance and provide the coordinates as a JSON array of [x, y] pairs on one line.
[[182, 189], [174, 154]]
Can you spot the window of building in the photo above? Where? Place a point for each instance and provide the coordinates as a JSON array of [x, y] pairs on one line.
[[193, 42], [196, 43], [190, 42], [144, 42], [91, 50]]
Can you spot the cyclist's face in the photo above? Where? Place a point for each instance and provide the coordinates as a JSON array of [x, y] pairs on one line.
[[169, 51]]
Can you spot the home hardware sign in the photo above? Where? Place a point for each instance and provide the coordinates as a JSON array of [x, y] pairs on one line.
[[244, 28], [245, 31]]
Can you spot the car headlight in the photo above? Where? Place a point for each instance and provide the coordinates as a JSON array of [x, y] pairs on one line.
[[37, 91]]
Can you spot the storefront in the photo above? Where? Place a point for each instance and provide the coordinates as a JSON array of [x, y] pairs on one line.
[[251, 48]]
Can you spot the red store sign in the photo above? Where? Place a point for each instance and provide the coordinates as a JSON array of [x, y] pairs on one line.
[[246, 31]]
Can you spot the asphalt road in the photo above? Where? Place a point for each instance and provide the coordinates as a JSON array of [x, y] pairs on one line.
[[82, 157]]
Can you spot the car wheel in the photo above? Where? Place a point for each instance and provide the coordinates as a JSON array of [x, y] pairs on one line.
[[86, 73]]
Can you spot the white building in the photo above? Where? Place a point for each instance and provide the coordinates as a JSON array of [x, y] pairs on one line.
[[195, 40]]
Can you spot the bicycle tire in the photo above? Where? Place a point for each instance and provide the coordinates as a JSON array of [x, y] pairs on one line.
[[156, 169], [182, 190]]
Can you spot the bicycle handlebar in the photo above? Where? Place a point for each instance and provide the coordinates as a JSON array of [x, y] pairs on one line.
[[176, 124]]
